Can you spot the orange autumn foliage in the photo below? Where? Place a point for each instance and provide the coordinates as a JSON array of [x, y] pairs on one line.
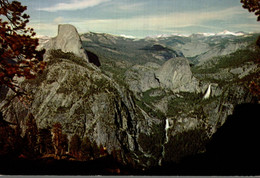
[[18, 54]]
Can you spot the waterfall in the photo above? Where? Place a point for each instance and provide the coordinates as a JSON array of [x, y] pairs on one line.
[[207, 95], [167, 126]]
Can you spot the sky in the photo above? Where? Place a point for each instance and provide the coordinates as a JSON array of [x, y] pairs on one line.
[[140, 18]]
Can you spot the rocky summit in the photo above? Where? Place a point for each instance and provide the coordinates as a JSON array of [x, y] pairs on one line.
[[145, 107], [67, 40]]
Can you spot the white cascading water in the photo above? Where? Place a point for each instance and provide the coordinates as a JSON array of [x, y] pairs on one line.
[[207, 95], [167, 126]]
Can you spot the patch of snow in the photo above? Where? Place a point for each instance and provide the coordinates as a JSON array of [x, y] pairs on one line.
[[127, 36], [207, 34], [226, 32]]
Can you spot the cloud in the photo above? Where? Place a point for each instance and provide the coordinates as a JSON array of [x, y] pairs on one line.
[[127, 6], [249, 27], [162, 22], [49, 29], [143, 25], [73, 5], [59, 20]]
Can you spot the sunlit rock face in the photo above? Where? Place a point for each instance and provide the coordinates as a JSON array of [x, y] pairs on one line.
[[87, 103], [141, 78], [68, 40], [175, 74]]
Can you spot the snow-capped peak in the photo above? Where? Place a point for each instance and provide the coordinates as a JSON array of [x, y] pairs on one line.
[[127, 36], [207, 34], [166, 35], [226, 32], [158, 36]]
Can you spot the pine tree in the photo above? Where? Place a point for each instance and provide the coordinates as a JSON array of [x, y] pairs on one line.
[[75, 145], [64, 144], [252, 6], [45, 142], [31, 135], [57, 136], [18, 54], [86, 151], [7, 137]]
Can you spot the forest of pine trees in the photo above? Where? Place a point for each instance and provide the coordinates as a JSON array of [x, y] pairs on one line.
[[45, 142]]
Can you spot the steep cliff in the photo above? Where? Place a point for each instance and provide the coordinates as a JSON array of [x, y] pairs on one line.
[[87, 103], [156, 115], [67, 40], [176, 74]]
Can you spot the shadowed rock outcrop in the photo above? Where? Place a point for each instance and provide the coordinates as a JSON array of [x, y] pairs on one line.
[[93, 58]]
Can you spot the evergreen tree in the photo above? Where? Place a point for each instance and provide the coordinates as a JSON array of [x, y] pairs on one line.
[[57, 134], [45, 141], [31, 135], [18, 54], [86, 151], [75, 145], [252, 6], [7, 137], [64, 144]]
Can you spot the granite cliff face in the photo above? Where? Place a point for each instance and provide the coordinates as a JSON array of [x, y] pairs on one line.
[[144, 116], [175, 74], [68, 40], [89, 104]]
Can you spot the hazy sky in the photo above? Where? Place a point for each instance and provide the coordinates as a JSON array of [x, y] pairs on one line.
[[141, 18]]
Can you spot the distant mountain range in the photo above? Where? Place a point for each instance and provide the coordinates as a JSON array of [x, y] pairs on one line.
[[198, 48], [224, 33]]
